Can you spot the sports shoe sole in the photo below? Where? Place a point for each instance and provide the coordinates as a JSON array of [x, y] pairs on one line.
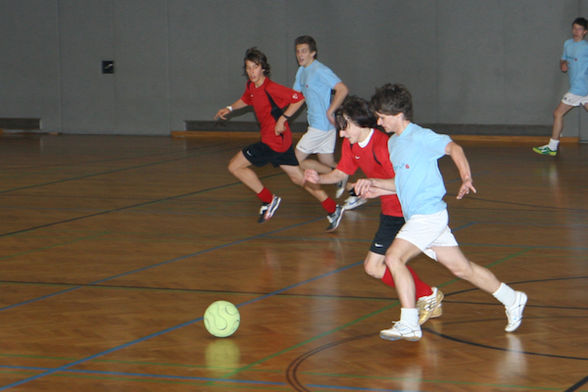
[[540, 152], [393, 338]]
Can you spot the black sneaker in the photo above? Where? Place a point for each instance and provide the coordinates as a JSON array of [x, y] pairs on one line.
[[267, 209], [335, 218]]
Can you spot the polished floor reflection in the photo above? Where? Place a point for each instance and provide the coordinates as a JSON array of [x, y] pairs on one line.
[[112, 247]]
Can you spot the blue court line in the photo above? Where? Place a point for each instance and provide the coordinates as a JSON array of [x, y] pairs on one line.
[[180, 258], [141, 269], [187, 323], [170, 329]]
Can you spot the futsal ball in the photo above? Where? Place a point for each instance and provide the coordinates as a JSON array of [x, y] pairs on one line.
[[221, 319]]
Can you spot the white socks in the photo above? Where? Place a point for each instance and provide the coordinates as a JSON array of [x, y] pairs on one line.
[[410, 316], [553, 144], [505, 294]]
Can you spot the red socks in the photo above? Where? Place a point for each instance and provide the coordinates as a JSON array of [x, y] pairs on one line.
[[265, 195], [329, 205], [421, 288]]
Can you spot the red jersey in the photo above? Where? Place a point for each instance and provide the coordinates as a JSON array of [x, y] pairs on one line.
[[374, 161], [282, 96]]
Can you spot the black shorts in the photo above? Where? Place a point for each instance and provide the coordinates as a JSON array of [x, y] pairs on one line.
[[389, 227], [260, 154]]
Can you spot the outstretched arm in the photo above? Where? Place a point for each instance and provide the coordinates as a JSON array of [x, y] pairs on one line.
[[456, 153], [332, 177], [222, 113], [369, 188]]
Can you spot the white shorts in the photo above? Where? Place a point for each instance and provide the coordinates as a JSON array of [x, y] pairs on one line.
[[428, 231], [574, 100], [315, 141]]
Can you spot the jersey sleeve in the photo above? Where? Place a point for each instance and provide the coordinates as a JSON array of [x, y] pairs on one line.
[[283, 95], [329, 78], [346, 163], [434, 143]]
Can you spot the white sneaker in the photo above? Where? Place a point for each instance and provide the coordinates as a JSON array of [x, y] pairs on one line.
[[401, 330], [341, 187], [514, 313], [353, 202], [430, 306]]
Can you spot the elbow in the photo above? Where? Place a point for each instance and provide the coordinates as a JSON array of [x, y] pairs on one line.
[[453, 149]]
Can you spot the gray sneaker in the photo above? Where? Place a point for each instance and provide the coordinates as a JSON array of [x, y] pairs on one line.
[[335, 218]]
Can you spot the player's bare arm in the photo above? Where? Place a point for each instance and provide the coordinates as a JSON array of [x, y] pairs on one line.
[[222, 113], [370, 188], [332, 177], [457, 154], [341, 92], [289, 112]]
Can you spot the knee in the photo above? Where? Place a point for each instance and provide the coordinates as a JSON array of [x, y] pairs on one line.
[[462, 271], [235, 164], [298, 181], [232, 167], [374, 270], [393, 262], [297, 177], [557, 114]]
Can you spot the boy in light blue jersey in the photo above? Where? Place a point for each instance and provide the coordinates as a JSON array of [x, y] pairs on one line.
[[414, 152], [316, 81], [574, 61], [412, 174]]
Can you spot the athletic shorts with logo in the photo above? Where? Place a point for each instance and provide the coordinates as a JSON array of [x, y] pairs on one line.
[[389, 227], [260, 154]]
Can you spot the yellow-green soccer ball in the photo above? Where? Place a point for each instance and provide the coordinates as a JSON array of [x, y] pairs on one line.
[[221, 319]]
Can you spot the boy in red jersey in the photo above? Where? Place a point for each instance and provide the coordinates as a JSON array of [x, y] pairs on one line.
[[273, 104], [367, 148]]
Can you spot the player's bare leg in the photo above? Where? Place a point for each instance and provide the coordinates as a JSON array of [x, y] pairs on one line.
[[558, 114], [407, 328], [239, 166], [319, 166], [297, 177]]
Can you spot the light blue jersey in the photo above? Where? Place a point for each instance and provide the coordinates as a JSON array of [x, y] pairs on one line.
[[576, 54], [419, 183], [316, 82]]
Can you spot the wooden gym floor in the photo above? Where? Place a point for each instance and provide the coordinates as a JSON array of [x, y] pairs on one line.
[[112, 247]]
